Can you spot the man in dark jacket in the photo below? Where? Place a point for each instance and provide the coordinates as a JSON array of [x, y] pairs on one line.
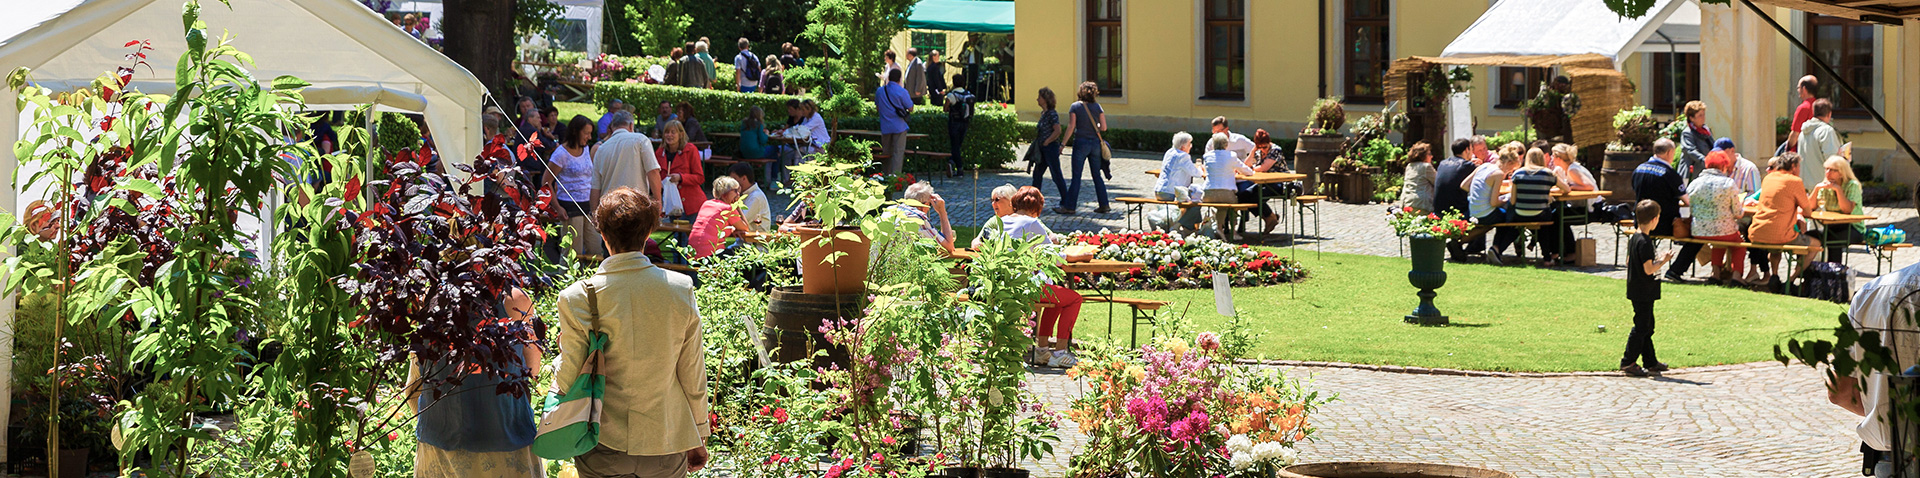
[[959, 106], [1657, 181], [1448, 196]]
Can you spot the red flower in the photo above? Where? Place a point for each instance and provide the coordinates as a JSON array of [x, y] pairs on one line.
[[1407, 209], [1432, 216]]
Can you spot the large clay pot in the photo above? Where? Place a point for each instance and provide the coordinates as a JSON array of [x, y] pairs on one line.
[[792, 330], [1387, 470], [1314, 155], [1429, 273], [73, 462], [847, 274], [1616, 174]]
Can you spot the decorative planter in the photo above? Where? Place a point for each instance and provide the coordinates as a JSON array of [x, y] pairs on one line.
[[847, 274], [1352, 187], [1429, 273], [1314, 155], [792, 329], [73, 463], [1616, 174], [1387, 470]]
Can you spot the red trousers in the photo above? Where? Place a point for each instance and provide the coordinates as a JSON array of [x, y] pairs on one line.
[[1718, 254], [1064, 312]]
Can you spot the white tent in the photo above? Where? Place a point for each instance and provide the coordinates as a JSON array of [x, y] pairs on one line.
[[586, 11], [350, 54], [1565, 28]]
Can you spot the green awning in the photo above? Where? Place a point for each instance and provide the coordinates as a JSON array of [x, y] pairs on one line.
[[962, 16]]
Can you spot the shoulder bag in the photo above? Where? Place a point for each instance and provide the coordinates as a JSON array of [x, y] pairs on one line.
[[571, 425], [1106, 151]]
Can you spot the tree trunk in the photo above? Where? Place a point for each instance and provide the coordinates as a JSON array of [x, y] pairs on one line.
[[479, 36]]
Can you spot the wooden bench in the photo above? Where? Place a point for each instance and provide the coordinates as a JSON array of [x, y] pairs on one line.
[[1531, 230], [1137, 206], [723, 162], [1883, 254], [1142, 313], [1301, 204], [1793, 259]]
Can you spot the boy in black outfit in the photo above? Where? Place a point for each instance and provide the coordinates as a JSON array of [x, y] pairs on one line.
[[1643, 289]]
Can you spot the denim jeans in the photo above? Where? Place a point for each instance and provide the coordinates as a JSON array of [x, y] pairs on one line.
[[1048, 159], [1085, 149], [749, 89], [956, 136]]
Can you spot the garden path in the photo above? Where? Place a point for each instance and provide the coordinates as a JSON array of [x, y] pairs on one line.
[[1762, 420]]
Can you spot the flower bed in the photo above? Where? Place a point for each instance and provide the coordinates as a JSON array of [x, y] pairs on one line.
[[1182, 262]]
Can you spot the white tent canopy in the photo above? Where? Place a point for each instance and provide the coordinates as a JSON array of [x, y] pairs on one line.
[[1577, 27], [350, 54]]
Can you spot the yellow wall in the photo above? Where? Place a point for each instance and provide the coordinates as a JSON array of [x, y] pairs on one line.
[[1161, 51]]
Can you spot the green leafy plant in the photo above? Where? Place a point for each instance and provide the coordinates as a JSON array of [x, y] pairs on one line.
[[1521, 134], [1637, 129], [1407, 221], [662, 26], [1005, 282], [1327, 116], [1381, 153], [397, 133]]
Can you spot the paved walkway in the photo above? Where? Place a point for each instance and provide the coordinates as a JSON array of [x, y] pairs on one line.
[[1760, 421]]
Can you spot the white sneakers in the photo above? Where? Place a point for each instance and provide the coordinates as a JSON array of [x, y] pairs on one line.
[[1062, 359]]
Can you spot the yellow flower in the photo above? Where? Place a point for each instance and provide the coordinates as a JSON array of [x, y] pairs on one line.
[[1179, 348], [1139, 373]]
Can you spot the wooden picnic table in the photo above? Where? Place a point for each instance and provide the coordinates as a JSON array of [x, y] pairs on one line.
[[1829, 218], [1256, 178], [875, 134], [1564, 195]]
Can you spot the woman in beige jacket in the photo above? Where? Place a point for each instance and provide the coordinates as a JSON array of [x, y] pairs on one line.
[[655, 422]]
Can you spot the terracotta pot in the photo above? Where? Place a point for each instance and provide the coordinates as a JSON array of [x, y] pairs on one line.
[[1387, 470], [847, 274]]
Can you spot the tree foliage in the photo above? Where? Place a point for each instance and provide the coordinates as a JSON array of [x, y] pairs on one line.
[[766, 22], [1638, 8]]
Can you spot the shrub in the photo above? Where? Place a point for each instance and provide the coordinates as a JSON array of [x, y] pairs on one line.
[[396, 133], [990, 138]]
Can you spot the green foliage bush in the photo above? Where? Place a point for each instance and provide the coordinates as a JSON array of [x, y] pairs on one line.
[[989, 144], [396, 133]]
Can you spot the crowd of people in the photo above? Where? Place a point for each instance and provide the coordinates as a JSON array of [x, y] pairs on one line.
[[1225, 158]]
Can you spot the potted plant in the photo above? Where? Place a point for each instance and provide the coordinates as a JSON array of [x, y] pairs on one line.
[[843, 205], [1637, 129], [1321, 140], [1427, 234], [84, 412], [1352, 176], [1552, 111]]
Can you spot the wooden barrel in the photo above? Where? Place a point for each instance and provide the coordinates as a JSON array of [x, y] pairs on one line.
[[792, 331], [1313, 155], [1616, 174]]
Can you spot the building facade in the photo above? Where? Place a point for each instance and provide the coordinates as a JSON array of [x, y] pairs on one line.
[[1174, 64]]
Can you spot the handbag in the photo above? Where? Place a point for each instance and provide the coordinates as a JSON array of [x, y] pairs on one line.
[[1881, 236], [1682, 228], [571, 424], [1106, 151]]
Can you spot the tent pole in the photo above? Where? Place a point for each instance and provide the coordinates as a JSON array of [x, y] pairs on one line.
[[1865, 102]]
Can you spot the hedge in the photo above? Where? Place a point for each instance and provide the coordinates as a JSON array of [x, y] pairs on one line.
[[1159, 141], [722, 67], [989, 144]]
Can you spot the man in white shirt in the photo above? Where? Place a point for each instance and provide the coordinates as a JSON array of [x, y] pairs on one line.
[[758, 213], [1236, 143], [1885, 305], [1818, 141], [624, 159]]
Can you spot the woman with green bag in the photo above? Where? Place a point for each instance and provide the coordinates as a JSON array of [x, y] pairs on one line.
[[650, 416]]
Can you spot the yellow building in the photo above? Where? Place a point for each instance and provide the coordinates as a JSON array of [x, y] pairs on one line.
[[1174, 64]]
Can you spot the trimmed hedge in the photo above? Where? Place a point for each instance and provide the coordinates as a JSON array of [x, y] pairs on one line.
[[990, 138], [1159, 141]]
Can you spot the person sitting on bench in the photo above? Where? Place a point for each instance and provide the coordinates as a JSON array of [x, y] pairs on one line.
[[1484, 201], [1222, 185], [1176, 180], [1533, 186], [1783, 201]]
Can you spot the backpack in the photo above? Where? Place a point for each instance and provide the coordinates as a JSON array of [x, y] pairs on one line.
[[753, 64], [1827, 281]]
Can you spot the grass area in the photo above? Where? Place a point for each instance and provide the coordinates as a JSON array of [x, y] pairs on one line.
[[1504, 318], [568, 109]]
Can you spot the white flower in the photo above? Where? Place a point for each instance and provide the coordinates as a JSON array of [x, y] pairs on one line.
[[1240, 461], [1239, 444], [1267, 451], [1288, 455]]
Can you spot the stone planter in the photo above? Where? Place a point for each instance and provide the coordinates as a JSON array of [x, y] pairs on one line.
[[1616, 174], [1387, 470], [1315, 155], [1429, 273]]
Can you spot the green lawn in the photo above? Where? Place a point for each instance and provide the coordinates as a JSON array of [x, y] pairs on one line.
[[1504, 318], [568, 109]]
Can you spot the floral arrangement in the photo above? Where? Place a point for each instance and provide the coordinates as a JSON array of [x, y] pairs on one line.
[[1328, 115], [1637, 129], [1174, 261], [896, 183], [1407, 221], [1179, 409]]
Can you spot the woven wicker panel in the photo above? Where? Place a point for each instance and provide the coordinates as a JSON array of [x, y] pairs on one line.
[[1397, 76], [1603, 92]]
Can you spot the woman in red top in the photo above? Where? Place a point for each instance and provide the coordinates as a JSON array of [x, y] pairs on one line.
[[682, 162]]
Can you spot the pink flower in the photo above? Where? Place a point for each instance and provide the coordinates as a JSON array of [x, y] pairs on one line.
[[889, 441]]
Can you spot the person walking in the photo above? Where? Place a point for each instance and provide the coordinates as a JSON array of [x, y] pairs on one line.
[[916, 79], [706, 62], [467, 428], [773, 77], [959, 105], [1086, 122], [1883, 305], [746, 68], [1801, 113], [895, 106], [1695, 141], [1643, 290], [572, 178], [624, 159], [1818, 141], [936, 78], [655, 362]]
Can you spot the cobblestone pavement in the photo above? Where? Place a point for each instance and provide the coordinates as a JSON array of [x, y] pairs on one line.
[[1759, 421]]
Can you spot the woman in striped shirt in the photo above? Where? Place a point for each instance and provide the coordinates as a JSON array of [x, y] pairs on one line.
[[1533, 186]]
